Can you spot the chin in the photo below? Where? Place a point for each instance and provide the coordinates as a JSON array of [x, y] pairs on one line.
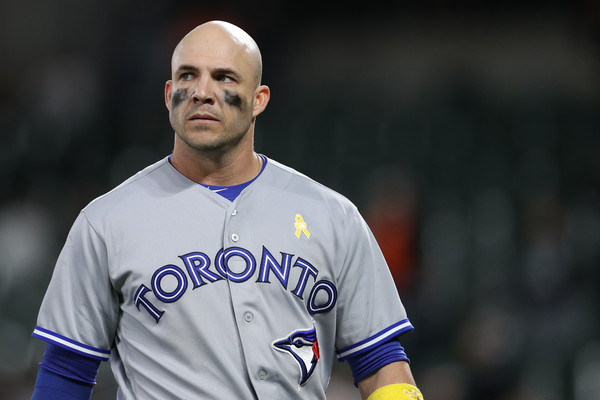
[[208, 140]]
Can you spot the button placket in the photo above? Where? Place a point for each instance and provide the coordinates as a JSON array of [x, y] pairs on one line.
[[241, 296]]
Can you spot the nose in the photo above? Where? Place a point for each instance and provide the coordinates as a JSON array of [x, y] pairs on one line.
[[203, 92]]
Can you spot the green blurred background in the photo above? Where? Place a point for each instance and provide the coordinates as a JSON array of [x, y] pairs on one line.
[[467, 133]]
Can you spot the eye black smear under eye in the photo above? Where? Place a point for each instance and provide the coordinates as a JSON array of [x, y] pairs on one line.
[[233, 99], [179, 97]]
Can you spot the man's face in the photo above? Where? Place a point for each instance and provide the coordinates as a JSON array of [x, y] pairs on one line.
[[211, 95]]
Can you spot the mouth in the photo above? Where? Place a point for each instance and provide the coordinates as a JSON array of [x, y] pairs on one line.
[[203, 117]]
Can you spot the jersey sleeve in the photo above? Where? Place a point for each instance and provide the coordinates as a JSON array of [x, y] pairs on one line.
[[370, 311], [80, 308]]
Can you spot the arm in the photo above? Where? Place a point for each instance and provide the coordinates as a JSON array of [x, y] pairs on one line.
[[52, 386], [65, 374], [374, 320], [396, 372], [383, 373], [72, 309]]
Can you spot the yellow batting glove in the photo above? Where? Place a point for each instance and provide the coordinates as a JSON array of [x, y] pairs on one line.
[[397, 391]]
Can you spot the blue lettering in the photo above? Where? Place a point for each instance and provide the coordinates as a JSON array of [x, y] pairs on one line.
[[222, 262], [175, 294], [197, 266], [169, 282], [269, 263], [307, 270], [330, 291], [140, 299]]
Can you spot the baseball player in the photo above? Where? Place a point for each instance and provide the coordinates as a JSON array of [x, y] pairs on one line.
[[218, 273]]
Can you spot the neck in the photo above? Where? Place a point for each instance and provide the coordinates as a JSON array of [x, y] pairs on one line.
[[210, 168]]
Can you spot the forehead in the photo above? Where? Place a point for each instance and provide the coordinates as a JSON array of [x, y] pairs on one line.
[[212, 49]]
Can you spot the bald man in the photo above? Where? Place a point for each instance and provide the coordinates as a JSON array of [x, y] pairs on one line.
[[217, 273]]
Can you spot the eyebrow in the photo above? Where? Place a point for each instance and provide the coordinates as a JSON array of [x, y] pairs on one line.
[[227, 71], [183, 68], [218, 71]]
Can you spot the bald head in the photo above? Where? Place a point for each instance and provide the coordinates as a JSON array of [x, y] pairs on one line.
[[217, 39], [215, 95]]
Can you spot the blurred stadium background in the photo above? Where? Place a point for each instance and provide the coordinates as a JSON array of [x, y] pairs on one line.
[[468, 133]]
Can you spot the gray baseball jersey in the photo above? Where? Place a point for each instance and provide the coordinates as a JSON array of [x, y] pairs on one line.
[[193, 296]]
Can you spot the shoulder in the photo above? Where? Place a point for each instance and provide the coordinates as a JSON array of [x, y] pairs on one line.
[[297, 184], [154, 181]]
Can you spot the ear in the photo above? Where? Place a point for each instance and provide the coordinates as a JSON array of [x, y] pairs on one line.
[[262, 94], [168, 93]]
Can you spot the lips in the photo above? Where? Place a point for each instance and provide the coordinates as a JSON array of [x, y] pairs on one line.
[[203, 116]]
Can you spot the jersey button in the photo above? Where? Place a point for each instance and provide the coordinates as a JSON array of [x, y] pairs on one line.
[[262, 374], [235, 237], [248, 316], [234, 213]]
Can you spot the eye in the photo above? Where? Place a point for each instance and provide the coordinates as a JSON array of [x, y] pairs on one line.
[[300, 342], [186, 76], [225, 78]]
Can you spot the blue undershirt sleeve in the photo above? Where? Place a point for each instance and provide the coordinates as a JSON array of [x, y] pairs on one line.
[[370, 361], [65, 374]]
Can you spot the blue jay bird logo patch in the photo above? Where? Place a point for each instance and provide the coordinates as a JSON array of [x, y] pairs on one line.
[[303, 346]]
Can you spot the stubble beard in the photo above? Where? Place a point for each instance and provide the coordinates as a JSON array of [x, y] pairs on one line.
[[209, 141]]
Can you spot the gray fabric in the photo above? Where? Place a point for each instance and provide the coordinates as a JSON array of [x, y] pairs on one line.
[[142, 274]]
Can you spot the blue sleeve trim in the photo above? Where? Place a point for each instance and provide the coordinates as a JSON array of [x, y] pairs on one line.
[[375, 340], [51, 386], [70, 344], [365, 364], [70, 364]]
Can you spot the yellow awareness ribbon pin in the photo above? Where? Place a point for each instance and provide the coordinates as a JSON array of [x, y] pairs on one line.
[[300, 226]]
